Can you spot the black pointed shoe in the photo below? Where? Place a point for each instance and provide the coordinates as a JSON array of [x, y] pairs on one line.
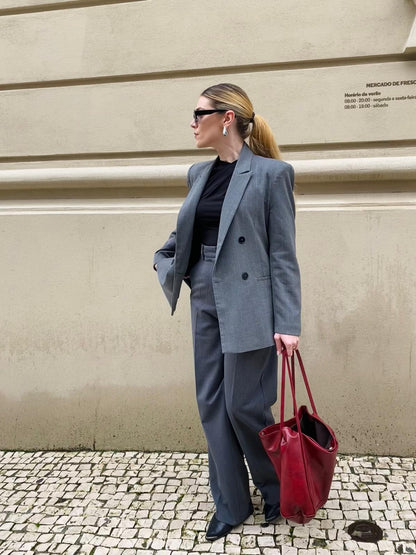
[[217, 529], [271, 512]]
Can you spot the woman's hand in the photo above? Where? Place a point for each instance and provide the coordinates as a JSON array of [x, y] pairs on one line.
[[288, 343]]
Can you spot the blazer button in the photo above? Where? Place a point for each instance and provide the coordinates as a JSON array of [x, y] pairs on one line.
[[244, 275], [241, 239]]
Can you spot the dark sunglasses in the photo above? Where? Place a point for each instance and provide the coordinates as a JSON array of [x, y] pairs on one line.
[[198, 113]]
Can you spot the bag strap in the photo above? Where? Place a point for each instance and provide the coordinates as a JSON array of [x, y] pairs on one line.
[[305, 380], [290, 369]]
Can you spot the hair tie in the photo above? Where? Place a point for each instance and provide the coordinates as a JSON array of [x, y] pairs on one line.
[[252, 118]]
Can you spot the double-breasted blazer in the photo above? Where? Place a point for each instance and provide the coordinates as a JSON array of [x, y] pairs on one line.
[[256, 279]]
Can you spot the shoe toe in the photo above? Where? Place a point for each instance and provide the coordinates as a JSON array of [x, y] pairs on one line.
[[217, 529], [271, 512]]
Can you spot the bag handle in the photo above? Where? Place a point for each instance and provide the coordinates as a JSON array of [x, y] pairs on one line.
[[290, 368]]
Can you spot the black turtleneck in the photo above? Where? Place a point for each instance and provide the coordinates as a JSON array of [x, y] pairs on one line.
[[208, 211]]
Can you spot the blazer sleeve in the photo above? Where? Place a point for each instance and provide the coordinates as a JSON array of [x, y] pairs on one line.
[[285, 275], [169, 248], [164, 260]]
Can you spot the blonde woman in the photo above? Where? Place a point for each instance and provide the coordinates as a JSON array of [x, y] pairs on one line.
[[234, 245]]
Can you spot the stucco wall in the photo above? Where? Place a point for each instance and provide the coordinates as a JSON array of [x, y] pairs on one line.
[[95, 105]]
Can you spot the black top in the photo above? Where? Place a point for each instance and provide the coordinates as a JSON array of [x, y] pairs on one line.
[[208, 211]]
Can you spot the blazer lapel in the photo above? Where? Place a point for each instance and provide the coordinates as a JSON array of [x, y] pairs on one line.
[[235, 191]]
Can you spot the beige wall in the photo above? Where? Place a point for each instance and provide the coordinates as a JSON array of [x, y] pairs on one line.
[[95, 104]]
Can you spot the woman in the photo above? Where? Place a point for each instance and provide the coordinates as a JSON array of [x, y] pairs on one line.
[[234, 245]]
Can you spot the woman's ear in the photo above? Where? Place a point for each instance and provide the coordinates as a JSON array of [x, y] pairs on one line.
[[229, 117]]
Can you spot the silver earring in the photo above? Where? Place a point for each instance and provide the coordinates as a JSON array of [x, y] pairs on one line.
[[224, 131]]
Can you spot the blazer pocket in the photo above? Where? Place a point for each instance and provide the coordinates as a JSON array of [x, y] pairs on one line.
[[264, 278]]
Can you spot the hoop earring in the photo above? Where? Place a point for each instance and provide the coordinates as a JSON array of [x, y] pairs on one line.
[[224, 131]]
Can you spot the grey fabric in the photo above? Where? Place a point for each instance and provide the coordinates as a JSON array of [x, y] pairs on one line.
[[234, 395], [256, 277]]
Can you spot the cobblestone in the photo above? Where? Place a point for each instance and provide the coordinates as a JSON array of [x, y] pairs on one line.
[[134, 503]]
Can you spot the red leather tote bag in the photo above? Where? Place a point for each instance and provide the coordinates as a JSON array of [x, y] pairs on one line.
[[303, 451]]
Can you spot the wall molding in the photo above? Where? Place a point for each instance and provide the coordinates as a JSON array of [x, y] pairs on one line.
[[16, 8], [337, 170], [410, 47], [356, 202], [398, 168], [94, 177], [319, 63], [304, 203], [89, 206]]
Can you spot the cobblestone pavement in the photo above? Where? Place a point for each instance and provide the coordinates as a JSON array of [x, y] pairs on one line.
[[100, 503]]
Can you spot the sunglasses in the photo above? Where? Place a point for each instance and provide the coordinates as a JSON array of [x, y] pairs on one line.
[[198, 113]]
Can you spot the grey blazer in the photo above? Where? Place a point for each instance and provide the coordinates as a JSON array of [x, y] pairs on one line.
[[256, 277]]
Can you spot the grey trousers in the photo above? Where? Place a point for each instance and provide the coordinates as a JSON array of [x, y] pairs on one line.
[[234, 394]]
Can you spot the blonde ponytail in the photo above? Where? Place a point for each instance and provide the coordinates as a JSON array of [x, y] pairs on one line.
[[261, 141]]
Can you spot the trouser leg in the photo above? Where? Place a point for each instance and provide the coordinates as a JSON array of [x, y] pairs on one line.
[[250, 391], [228, 474], [235, 392]]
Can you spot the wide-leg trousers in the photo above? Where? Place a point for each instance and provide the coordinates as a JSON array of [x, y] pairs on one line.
[[234, 394]]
